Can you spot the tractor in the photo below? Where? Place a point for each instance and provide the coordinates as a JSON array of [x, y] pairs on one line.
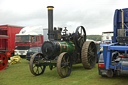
[[63, 49], [114, 58]]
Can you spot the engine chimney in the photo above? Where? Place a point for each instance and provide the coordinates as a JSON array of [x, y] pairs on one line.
[[50, 23]]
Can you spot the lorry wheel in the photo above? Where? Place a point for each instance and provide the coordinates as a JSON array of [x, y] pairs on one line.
[[64, 65], [88, 54], [34, 65], [110, 73], [103, 75]]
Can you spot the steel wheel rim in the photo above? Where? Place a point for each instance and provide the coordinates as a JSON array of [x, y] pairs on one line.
[[89, 54], [4, 63], [64, 65], [35, 67]]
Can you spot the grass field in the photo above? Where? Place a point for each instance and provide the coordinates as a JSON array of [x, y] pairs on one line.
[[19, 74]]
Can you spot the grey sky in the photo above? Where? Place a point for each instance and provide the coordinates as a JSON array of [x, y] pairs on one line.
[[95, 15]]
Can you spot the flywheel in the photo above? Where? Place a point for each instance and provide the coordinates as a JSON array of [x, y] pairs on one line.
[[80, 37]]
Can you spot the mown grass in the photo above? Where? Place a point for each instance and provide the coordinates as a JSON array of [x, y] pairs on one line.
[[19, 74]]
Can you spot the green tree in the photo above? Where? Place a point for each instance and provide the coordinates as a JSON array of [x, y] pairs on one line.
[[94, 37]]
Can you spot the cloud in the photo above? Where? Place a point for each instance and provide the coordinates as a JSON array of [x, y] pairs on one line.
[[95, 15]]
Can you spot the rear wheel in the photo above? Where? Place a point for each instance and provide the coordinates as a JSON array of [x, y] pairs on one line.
[[64, 65], [35, 67], [110, 73], [103, 75], [89, 54]]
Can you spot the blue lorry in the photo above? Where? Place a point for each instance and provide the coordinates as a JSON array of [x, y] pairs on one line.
[[114, 58], [105, 39]]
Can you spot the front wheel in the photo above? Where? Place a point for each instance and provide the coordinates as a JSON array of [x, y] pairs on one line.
[[3, 61], [64, 65], [35, 67]]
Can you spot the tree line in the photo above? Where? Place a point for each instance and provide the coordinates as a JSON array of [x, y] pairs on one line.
[[94, 37]]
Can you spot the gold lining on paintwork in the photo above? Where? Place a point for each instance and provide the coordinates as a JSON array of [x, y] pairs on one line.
[[72, 44], [67, 46], [60, 47]]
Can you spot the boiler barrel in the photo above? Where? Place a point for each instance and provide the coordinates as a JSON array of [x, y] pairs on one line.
[[66, 47], [51, 49]]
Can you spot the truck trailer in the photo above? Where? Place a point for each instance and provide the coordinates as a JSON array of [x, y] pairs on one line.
[[8, 31]]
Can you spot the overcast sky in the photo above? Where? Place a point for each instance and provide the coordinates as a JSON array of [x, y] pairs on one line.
[[95, 15]]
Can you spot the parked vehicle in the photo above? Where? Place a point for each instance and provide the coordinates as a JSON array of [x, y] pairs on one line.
[[63, 49], [107, 36], [114, 58], [32, 51], [24, 42], [106, 40], [27, 39], [9, 31]]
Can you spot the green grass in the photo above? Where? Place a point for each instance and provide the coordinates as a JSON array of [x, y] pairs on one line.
[[19, 74]]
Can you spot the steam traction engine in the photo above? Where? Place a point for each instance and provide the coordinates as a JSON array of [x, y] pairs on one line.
[[4, 53], [63, 49], [3, 61]]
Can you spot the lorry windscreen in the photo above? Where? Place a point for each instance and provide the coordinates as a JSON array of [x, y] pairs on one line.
[[22, 39]]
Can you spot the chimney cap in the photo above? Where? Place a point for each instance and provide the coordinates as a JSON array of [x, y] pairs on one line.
[[50, 7]]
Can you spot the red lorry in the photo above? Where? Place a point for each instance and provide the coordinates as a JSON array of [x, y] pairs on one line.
[[26, 41], [28, 37], [9, 43]]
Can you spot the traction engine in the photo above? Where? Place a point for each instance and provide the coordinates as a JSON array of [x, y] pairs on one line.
[[4, 53], [63, 49]]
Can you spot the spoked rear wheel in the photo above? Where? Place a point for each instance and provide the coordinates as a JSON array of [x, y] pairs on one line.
[[35, 67], [64, 65], [89, 54]]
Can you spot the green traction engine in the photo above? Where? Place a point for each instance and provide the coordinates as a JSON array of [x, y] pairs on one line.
[[63, 49]]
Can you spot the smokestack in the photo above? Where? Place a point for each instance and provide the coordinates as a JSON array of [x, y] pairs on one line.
[[50, 23]]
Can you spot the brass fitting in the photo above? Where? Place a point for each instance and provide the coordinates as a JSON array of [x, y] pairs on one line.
[[122, 18], [1, 61], [50, 7]]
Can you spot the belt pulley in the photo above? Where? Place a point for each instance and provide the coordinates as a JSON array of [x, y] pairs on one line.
[[80, 37]]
